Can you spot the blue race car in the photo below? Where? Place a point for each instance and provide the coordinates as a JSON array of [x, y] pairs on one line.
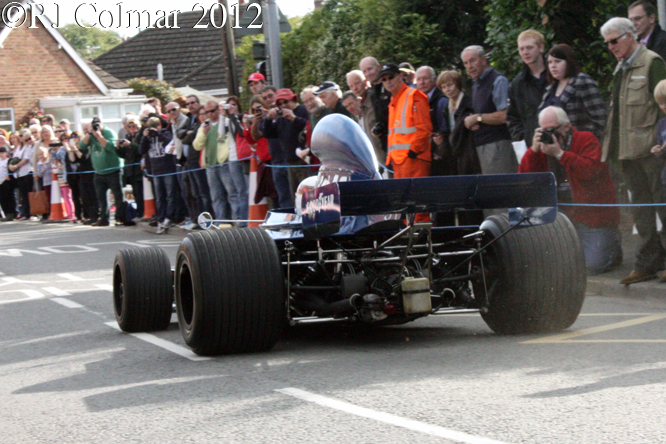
[[351, 251]]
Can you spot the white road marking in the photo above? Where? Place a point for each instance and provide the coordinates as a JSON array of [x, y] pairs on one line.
[[69, 249], [51, 338], [131, 244], [567, 337], [104, 287], [31, 295], [387, 418], [70, 277], [56, 291], [170, 346], [12, 280], [66, 303]]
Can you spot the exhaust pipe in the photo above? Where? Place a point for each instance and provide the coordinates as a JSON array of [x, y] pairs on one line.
[[342, 307]]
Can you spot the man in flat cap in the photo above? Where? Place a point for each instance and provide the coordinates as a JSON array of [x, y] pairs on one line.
[[330, 93]]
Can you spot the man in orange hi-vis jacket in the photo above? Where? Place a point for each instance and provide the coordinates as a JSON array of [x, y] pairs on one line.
[[410, 126]]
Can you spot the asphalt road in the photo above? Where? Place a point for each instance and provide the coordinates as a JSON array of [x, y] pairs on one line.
[[69, 376]]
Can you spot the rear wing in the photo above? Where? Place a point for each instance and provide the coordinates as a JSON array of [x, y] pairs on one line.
[[447, 193], [530, 197]]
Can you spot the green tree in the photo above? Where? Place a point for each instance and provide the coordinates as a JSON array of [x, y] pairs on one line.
[[90, 42], [333, 39], [153, 88]]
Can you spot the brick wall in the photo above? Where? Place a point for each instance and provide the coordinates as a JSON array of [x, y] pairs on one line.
[[32, 67]]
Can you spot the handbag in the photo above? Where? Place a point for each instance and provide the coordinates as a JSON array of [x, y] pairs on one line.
[[39, 201]]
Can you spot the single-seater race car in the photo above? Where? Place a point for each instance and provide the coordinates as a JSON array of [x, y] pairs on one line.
[[352, 252]]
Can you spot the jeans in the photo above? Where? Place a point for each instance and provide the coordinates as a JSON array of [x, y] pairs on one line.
[[200, 189], [218, 192], [602, 247], [165, 196], [280, 173], [182, 211], [237, 176], [104, 182]]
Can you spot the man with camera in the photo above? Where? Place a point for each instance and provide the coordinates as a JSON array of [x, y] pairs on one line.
[[128, 149], [582, 178], [101, 142], [285, 122], [154, 141]]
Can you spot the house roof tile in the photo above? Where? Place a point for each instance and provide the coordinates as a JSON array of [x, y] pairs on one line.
[[182, 52]]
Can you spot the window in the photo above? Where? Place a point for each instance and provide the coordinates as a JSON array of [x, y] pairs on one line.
[[7, 119], [89, 112]]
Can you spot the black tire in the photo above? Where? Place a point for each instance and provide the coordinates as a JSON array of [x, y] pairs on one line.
[[142, 289], [230, 291], [539, 277]]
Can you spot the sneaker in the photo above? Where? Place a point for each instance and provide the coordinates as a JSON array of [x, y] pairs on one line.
[[168, 223], [100, 223], [160, 229], [190, 226]]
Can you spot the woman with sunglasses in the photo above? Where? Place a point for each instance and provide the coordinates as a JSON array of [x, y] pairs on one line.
[[23, 172], [574, 91], [265, 186]]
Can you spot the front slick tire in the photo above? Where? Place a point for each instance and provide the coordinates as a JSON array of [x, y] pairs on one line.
[[142, 289], [230, 291], [539, 277]]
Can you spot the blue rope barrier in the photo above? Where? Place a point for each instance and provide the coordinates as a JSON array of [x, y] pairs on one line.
[[611, 205]]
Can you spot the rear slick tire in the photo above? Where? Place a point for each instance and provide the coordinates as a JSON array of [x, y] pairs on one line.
[[539, 277], [142, 289], [230, 291]]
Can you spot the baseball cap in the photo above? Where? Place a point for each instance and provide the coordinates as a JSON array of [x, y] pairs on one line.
[[256, 77], [389, 68], [406, 68], [327, 86], [285, 94]]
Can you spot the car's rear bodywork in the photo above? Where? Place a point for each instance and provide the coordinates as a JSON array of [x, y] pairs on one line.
[[352, 252]]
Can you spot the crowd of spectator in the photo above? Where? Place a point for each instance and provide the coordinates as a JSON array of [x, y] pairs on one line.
[[419, 123]]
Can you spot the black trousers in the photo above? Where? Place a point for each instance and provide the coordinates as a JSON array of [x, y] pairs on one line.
[[7, 201], [104, 182]]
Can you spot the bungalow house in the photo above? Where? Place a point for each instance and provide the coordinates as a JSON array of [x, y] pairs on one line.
[[39, 69]]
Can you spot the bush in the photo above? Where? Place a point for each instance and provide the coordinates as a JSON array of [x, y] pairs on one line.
[[154, 88]]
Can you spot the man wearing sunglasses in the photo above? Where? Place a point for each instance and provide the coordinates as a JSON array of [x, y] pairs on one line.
[[196, 176], [631, 133], [285, 122], [409, 126]]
